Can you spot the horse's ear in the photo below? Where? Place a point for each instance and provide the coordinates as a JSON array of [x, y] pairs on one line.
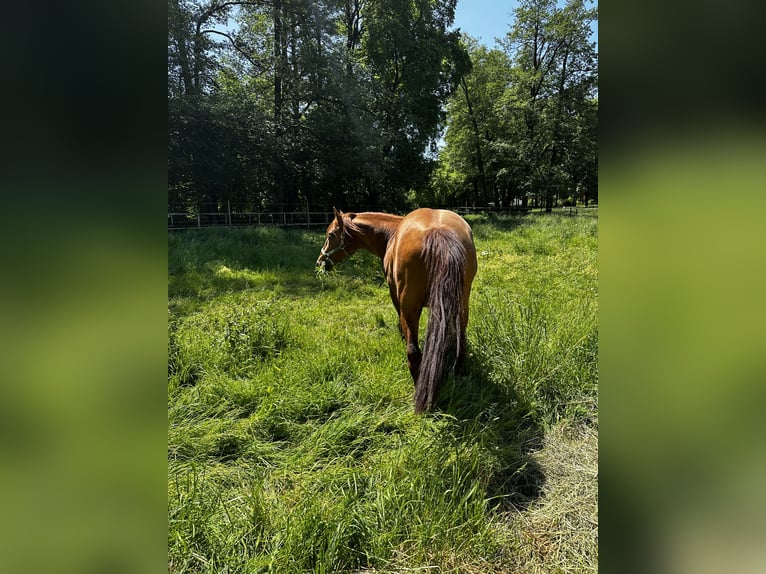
[[338, 216]]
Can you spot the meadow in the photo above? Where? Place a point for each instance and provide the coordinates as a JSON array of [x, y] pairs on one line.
[[292, 442]]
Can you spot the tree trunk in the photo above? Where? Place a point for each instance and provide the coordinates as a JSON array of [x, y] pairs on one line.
[[182, 39], [353, 33], [279, 71], [477, 143], [278, 67]]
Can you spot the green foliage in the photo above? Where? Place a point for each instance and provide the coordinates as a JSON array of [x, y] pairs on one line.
[[292, 443], [523, 125], [299, 102]]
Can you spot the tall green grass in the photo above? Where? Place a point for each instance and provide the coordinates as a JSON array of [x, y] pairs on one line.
[[292, 443]]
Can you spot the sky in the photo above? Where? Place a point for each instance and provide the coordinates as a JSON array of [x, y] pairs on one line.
[[484, 19]]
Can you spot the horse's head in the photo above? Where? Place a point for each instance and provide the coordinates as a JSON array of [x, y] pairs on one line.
[[337, 245]]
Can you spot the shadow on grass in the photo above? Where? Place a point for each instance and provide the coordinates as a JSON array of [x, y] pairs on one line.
[[245, 247], [503, 424], [207, 262]]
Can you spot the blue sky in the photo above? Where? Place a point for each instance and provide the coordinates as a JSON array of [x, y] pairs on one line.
[[484, 19], [490, 19]]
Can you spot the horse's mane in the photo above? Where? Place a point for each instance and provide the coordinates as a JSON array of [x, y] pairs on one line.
[[355, 222]]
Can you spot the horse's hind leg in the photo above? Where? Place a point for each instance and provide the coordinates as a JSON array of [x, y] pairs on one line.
[[461, 342], [409, 322], [395, 301]]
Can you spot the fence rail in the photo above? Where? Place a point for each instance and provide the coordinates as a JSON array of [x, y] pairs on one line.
[[184, 220]]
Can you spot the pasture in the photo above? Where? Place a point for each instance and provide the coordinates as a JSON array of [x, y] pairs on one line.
[[292, 442]]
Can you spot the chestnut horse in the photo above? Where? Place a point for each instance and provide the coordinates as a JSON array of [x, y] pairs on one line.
[[430, 261]]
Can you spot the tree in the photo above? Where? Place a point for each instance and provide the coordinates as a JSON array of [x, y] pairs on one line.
[[554, 71], [475, 128], [332, 101], [204, 160], [523, 124]]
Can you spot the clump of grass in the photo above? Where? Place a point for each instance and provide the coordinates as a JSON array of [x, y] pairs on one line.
[[226, 338], [548, 358]]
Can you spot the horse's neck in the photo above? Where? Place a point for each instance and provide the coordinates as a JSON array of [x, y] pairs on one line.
[[374, 230]]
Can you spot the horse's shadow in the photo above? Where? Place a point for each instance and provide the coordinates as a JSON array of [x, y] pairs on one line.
[[485, 411]]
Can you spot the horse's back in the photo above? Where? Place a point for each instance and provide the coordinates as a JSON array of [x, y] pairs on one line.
[[426, 218], [416, 225], [408, 246]]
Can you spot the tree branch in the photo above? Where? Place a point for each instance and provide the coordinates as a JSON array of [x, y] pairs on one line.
[[237, 47]]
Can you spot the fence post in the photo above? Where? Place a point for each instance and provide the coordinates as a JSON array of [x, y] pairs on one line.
[[198, 221], [228, 204]]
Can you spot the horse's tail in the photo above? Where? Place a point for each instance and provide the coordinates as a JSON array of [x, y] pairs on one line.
[[445, 259]]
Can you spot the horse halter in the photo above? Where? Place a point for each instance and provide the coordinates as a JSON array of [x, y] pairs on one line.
[[341, 247]]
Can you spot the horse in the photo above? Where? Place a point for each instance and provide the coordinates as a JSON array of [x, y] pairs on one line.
[[429, 260]]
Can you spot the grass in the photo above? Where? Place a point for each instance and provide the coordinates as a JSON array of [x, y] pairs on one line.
[[292, 443]]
